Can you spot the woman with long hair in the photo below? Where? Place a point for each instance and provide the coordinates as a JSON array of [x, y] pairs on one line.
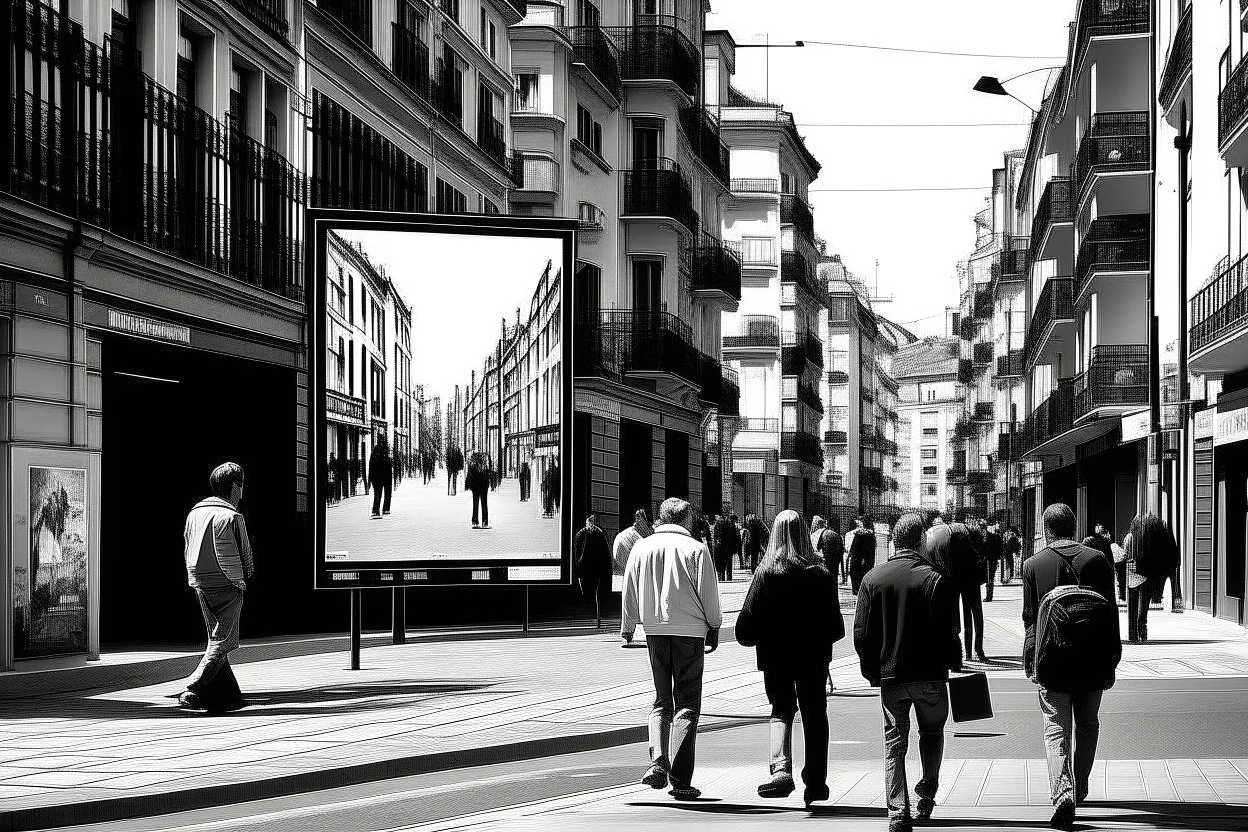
[[792, 617], [1152, 554]]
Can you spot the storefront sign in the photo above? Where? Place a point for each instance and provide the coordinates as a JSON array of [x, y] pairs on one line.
[[1231, 426], [40, 301], [344, 408], [1135, 426], [148, 328], [1204, 423]]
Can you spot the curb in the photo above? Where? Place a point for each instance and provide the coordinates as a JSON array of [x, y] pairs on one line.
[[149, 805]]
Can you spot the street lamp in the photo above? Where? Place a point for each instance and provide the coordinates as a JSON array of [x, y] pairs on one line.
[[991, 85], [768, 45]]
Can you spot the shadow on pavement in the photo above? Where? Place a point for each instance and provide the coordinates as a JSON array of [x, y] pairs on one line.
[[1209, 817]]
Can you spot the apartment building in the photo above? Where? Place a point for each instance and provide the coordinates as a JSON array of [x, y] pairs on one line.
[[1085, 192], [146, 269], [772, 340], [930, 405], [612, 125]]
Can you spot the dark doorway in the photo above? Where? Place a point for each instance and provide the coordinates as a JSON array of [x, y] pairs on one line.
[[676, 465], [635, 470], [582, 455], [712, 486]]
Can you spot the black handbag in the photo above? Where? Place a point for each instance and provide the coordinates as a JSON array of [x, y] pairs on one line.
[[969, 697]]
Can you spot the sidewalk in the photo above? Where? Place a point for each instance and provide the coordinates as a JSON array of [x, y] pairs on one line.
[[427, 706]]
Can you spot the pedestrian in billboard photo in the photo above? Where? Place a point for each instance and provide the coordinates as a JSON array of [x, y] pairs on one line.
[[381, 476], [627, 539], [526, 481], [1071, 649], [454, 464], [331, 479], [670, 591], [726, 543], [219, 564], [791, 618], [556, 484], [906, 637], [477, 480], [592, 560]]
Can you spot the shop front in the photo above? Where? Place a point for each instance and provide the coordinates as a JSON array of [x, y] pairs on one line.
[[1230, 505]]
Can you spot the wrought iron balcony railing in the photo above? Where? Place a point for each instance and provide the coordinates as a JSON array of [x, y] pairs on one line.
[[492, 139], [447, 92], [1055, 304], [540, 174], [410, 61], [269, 15], [980, 481], [595, 51], [795, 211], [966, 328], [1053, 417], [1220, 308], [657, 52], [982, 353], [981, 304], [796, 269], [720, 386], [614, 343], [754, 186], [838, 377], [1013, 260], [1233, 103], [814, 348], [1115, 244], [1117, 376], [658, 188], [356, 16], [716, 268], [354, 166], [871, 478], [751, 424], [1055, 206], [808, 395], [1114, 142], [1010, 365], [755, 331], [966, 371], [702, 131], [1178, 62], [1102, 18], [801, 446], [835, 437]]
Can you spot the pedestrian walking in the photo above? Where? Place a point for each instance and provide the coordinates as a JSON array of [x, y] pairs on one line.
[[556, 484], [755, 542], [624, 542], [906, 637], [219, 563], [969, 570], [454, 464], [994, 551], [792, 618], [592, 559], [832, 547], [380, 476], [861, 552], [726, 543], [1151, 555], [1071, 648], [331, 479], [1013, 548], [477, 480], [671, 591], [526, 481]]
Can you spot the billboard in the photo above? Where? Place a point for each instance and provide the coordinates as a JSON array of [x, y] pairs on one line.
[[440, 379]]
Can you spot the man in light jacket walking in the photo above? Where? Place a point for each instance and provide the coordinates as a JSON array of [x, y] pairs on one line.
[[218, 566], [671, 590]]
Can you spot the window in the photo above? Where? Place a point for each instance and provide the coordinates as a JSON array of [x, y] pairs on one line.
[[929, 431], [588, 291], [526, 93], [587, 13], [486, 205], [927, 453], [451, 9], [786, 183], [484, 20], [493, 47], [929, 490], [588, 131], [647, 285], [450, 200], [710, 81], [758, 251], [929, 470]]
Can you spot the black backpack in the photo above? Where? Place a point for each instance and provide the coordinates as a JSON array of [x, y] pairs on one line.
[[1077, 644]]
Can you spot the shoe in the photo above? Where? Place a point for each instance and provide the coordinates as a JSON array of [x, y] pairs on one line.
[[376, 517], [685, 793], [983, 658], [1081, 795], [485, 525], [1063, 815], [923, 811], [190, 701], [815, 794], [655, 778], [780, 785], [229, 707], [476, 525], [901, 823]]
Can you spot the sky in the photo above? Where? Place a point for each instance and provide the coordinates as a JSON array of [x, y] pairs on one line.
[[459, 288], [917, 236]]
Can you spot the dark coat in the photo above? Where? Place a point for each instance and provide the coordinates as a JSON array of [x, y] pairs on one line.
[[591, 554], [792, 617], [862, 551], [755, 542], [832, 547], [994, 546], [1043, 570], [380, 468], [727, 540]]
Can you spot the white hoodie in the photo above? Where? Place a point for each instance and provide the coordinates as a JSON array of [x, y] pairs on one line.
[[670, 586]]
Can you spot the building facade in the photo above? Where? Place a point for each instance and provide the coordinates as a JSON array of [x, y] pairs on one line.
[[930, 406]]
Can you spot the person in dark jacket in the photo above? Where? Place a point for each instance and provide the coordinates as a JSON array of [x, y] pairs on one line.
[[592, 557], [526, 481], [1064, 561], [726, 542], [905, 634], [1013, 548], [994, 550], [380, 476], [454, 464], [477, 480], [832, 547], [861, 552], [969, 570], [1152, 555], [754, 542], [791, 617]]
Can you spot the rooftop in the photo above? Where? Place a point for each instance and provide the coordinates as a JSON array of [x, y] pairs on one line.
[[930, 356]]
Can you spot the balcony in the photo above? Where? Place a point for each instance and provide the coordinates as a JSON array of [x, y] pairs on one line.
[[594, 54], [590, 218], [1178, 67], [342, 407], [886, 446], [984, 412], [618, 343], [1010, 365], [1116, 378], [1013, 259], [1112, 245], [796, 269], [1219, 315], [814, 348], [1055, 305], [1107, 18], [838, 377], [658, 188], [835, 437], [866, 437], [981, 304], [756, 425], [966, 371], [1232, 115], [956, 475], [538, 179], [447, 92], [764, 187], [963, 429], [755, 332], [808, 395], [717, 269], [166, 175], [702, 131], [1053, 418], [1055, 208], [966, 328], [356, 16], [269, 15], [801, 446], [1008, 436], [794, 211], [982, 353], [410, 61], [871, 478], [980, 481], [721, 388], [492, 139], [657, 52], [1115, 142], [358, 168]]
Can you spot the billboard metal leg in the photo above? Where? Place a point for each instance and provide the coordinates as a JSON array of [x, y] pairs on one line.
[[398, 615], [357, 618], [526, 609]]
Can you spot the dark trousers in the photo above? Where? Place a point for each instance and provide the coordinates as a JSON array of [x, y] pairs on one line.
[[593, 588], [676, 664], [524, 489], [723, 566], [381, 498], [992, 579], [1007, 569], [856, 573], [481, 499], [1137, 611], [789, 691], [972, 620], [1120, 569]]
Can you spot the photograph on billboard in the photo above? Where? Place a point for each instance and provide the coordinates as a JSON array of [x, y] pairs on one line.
[[446, 400]]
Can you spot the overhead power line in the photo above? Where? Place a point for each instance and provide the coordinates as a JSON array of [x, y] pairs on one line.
[[939, 52], [896, 190], [918, 125]]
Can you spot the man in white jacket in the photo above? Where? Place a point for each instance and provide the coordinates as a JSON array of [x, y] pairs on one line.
[[672, 590]]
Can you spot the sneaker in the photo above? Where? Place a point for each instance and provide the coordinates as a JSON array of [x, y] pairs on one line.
[[486, 526], [815, 794], [190, 701], [1081, 795], [655, 778], [900, 823], [923, 811], [780, 785], [1063, 815], [476, 525], [685, 793]]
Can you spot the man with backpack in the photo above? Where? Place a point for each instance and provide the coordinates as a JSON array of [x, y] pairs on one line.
[[1071, 648]]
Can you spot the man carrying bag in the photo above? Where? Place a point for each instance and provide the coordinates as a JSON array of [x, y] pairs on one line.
[[1071, 649]]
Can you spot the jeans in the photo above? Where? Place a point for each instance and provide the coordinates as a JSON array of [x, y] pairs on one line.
[[378, 505], [452, 484], [1137, 611], [1007, 565], [1120, 569], [1069, 782], [972, 620], [788, 691], [481, 499], [676, 664], [931, 709], [221, 607], [992, 579]]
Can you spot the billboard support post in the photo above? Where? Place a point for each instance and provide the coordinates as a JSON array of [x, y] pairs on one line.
[[525, 626], [357, 618], [398, 616]]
